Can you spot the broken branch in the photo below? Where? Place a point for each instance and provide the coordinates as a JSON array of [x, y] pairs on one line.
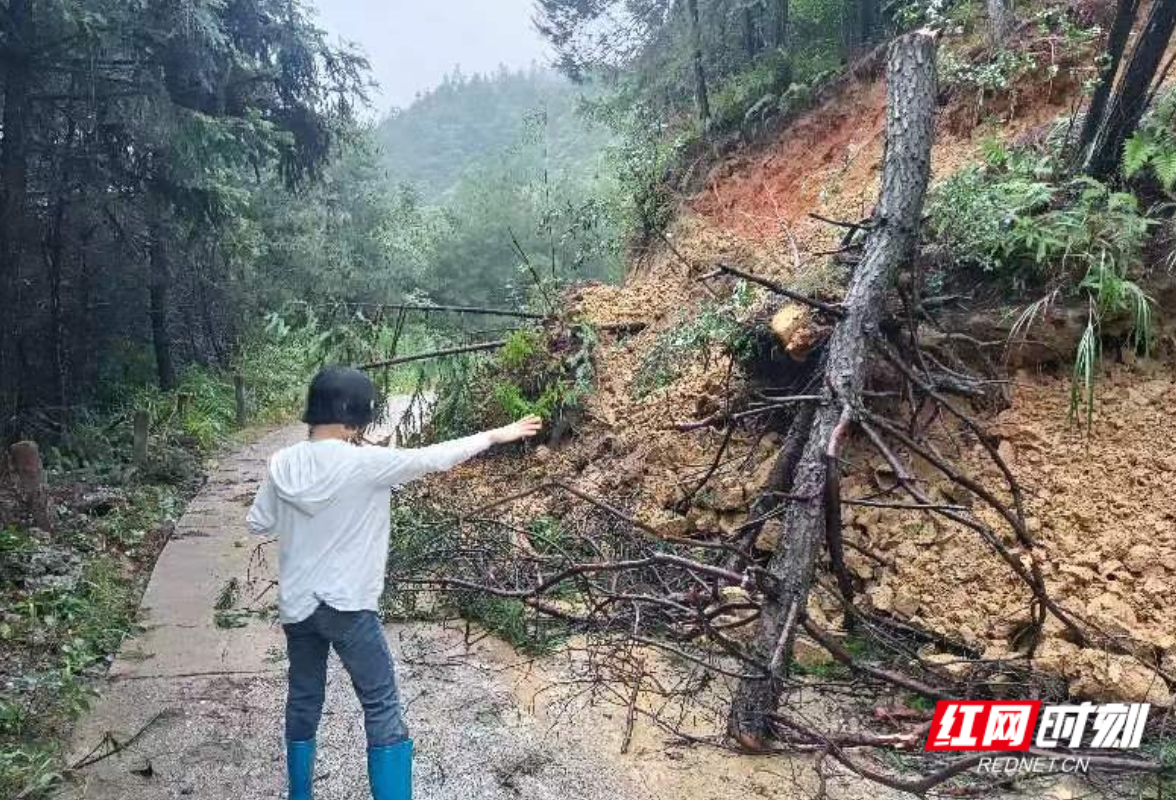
[[772, 286]]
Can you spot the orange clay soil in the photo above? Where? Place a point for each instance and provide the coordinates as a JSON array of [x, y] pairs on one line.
[[1103, 507], [829, 162]]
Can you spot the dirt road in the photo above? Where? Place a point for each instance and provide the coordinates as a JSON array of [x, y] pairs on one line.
[[203, 702]]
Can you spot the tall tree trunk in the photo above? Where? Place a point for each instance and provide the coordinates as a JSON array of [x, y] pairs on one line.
[[909, 133], [211, 335], [750, 33], [867, 21], [54, 256], [1125, 13], [780, 23], [1129, 100], [14, 173], [701, 94], [1000, 21], [159, 285]]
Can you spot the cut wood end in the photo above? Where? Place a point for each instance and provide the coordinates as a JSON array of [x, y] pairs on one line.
[[797, 331]]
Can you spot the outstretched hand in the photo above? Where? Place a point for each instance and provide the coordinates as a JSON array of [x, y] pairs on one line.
[[525, 428]]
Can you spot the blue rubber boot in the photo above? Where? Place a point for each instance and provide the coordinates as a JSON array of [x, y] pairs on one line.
[[300, 769], [390, 771]]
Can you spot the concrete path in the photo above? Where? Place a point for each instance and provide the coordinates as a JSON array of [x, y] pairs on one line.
[[203, 704]]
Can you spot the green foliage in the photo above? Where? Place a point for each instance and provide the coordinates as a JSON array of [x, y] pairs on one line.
[[485, 191], [548, 405], [1096, 231], [971, 213], [208, 416], [547, 373], [275, 362], [521, 346], [75, 628], [1013, 217], [57, 635], [639, 202], [816, 45], [15, 547], [939, 14], [1164, 750], [448, 132], [1000, 73], [717, 326], [1020, 219], [29, 772], [547, 536], [1086, 361], [155, 180], [827, 671], [128, 527], [919, 703], [228, 595], [769, 76], [525, 630], [1152, 148], [1061, 20], [457, 409]]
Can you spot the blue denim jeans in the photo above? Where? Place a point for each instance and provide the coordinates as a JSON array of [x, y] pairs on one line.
[[358, 639]]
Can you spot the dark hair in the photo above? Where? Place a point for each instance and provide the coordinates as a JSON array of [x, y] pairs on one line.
[[340, 396]]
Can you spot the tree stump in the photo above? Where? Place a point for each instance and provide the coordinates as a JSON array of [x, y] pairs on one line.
[[30, 483]]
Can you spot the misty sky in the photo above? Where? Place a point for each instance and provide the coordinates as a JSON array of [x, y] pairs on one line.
[[412, 44]]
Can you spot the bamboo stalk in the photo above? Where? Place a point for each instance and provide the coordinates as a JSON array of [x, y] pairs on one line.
[[487, 312], [453, 351]]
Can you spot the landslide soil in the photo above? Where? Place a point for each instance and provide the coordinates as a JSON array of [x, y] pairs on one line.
[[1100, 501], [1100, 506]]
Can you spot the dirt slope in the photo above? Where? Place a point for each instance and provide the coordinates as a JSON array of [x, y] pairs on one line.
[[829, 163], [1101, 506]]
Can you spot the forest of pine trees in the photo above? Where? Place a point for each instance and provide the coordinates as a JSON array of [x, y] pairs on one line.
[[173, 171]]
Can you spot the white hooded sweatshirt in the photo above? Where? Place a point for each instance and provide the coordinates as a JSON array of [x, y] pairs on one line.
[[329, 502]]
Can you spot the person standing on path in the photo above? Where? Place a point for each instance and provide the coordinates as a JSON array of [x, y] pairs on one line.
[[329, 503]]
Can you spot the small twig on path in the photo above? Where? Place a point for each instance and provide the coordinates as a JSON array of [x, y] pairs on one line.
[[90, 758]]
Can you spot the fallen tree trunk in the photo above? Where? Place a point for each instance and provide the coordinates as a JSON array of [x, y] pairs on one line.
[[909, 135]]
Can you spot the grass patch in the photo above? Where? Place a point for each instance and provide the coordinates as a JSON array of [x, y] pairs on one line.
[[67, 635], [68, 604]]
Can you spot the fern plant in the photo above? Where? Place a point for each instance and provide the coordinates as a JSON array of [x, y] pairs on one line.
[[1152, 148], [1076, 238]]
